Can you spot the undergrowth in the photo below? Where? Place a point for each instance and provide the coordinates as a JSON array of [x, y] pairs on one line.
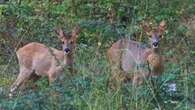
[[89, 90]]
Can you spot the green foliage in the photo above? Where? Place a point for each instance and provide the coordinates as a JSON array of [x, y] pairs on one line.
[[88, 90]]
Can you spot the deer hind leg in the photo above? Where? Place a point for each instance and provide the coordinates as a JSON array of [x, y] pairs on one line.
[[139, 78], [22, 77], [117, 77]]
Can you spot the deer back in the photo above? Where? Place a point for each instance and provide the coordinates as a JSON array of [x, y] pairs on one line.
[[134, 56], [130, 55], [38, 57]]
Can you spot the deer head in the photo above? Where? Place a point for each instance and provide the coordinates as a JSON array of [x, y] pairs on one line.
[[68, 39], [155, 34]]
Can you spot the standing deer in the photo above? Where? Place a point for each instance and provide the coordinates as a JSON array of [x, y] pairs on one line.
[[129, 56], [40, 60]]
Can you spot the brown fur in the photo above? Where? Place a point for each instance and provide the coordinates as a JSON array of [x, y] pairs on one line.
[[127, 56], [36, 58]]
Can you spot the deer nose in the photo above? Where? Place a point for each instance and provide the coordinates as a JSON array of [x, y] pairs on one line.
[[67, 50], [155, 44]]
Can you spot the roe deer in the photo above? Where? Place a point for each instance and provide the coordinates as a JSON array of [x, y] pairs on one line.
[[133, 57], [40, 60]]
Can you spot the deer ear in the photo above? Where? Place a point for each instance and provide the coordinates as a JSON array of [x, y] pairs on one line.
[[60, 33], [161, 28], [147, 29], [76, 31]]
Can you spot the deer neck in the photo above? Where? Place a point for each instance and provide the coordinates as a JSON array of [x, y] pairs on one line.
[[155, 50], [68, 59], [61, 58], [155, 61]]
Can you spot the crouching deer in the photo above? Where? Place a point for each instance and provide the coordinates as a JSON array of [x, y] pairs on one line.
[[40, 60], [126, 56]]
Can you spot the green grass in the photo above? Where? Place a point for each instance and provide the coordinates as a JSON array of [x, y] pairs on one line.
[[88, 90]]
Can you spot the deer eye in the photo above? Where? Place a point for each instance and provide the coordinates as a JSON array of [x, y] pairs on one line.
[[64, 41], [71, 41], [160, 36]]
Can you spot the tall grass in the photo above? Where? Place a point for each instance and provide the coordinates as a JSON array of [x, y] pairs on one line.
[[89, 90]]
